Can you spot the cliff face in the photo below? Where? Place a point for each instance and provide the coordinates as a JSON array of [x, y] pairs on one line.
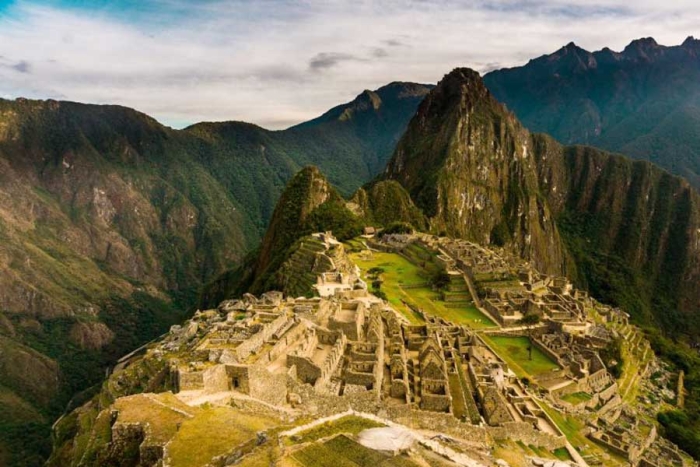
[[469, 165], [643, 101], [628, 230], [616, 213]]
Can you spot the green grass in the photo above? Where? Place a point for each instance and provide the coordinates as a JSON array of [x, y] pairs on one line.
[[572, 429], [514, 351], [562, 454], [576, 397], [213, 431], [342, 451], [349, 425], [318, 455], [398, 272], [360, 455]]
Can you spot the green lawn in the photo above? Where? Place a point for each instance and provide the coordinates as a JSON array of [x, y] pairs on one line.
[[572, 429], [213, 431], [576, 397], [349, 425], [398, 272], [514, 351], [562, 454]]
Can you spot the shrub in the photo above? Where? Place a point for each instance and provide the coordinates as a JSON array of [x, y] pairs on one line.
[[397, 228]]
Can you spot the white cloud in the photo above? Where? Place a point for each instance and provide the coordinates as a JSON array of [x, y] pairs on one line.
[[276, 63]]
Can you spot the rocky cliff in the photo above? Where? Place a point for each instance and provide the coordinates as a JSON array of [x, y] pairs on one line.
[[633, 228], [470, 166]]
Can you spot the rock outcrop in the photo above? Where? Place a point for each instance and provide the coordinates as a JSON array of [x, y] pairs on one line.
[[470, 166]]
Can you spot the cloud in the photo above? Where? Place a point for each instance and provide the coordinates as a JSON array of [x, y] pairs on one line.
[[379, 52], [325, 60], [22, 66], [484, 68], [394, 43], [279, 62]]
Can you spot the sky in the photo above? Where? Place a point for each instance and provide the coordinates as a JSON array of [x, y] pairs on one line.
[[280, 62]]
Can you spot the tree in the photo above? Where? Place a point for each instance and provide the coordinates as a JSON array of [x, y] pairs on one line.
[[397, 228], [375, 271], [440, 279], [529, 320]]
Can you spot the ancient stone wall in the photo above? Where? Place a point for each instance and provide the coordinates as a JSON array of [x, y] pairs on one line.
[[268, 387], [239, 377], [332, 359], [190, 380], [282, 345], [306, 370], [436, 402], [216, 379], [528, 435], [364, 376], [257, 340]]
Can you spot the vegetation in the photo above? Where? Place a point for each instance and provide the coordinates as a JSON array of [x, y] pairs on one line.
[[516, 352], [397, 228], [222, 427], [440, 279], [406, 286], [682, 426], [576, 397], [350, 425], [596, 105], [612, 357], [386, 202]]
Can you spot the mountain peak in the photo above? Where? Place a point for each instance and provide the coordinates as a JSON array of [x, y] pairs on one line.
[[641, 48], [403, 90], [461, 81], [459, 159], [390, 97], [307, 190], [463, 74], [691, 42]]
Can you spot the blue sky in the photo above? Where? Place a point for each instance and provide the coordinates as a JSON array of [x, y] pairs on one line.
[[277, 63]]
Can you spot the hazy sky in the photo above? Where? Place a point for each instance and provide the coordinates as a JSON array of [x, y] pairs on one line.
[[276, 63]]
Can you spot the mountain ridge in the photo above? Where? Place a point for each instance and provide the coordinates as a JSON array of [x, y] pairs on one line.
[[643, 101]]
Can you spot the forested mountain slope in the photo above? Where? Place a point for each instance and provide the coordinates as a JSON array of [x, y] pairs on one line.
[[643, 102]]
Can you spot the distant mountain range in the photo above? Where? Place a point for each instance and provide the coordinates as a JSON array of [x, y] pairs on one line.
[[643, 102]]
